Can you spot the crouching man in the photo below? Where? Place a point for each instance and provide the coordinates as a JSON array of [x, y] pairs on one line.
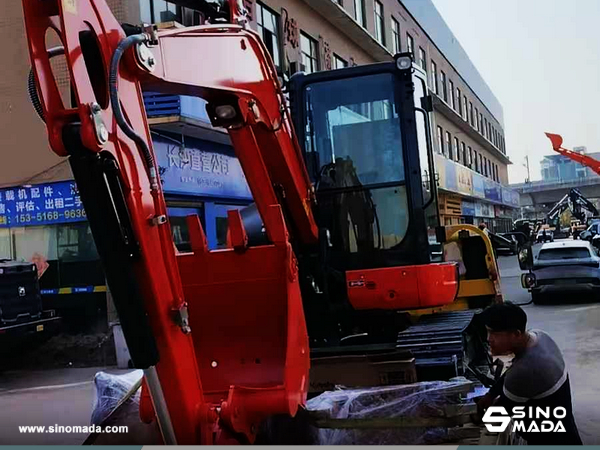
[[537, 383]]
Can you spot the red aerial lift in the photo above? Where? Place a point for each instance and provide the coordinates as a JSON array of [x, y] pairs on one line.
[[343, 238]]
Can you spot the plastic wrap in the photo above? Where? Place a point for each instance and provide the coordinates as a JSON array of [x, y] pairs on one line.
[[110, 390], [424, 399]]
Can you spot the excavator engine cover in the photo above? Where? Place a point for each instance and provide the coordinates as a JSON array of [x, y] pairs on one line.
[[407, 287]]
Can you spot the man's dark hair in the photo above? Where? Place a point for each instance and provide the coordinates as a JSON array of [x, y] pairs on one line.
[[505, 317]]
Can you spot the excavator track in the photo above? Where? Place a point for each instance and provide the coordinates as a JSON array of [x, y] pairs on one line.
[[440, 343]]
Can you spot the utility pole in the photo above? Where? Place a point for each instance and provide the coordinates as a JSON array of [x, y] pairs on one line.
[[528, 180]]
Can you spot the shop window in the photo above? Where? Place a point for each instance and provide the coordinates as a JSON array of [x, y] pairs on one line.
[[5, 247], [31, 240], [38, 244], [179, 226], [78, 260], [76, 243]]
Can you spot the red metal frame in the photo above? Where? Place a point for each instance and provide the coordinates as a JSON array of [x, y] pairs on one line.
[[247, 378], [582, 159]]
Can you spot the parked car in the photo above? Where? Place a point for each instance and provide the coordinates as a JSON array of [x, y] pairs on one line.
[[570, 266], [545, 236], [591, 231]]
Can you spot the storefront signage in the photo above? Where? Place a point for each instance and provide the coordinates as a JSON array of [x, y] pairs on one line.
[[40, 204], [492, 191], [464, 180], [451, 181], [467, 208], [478, 186], [200, 168], [457, 178], [484, 210]]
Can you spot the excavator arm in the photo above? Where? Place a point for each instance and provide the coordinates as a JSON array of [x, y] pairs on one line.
[[578, 202], [221, 336], [582, 159]]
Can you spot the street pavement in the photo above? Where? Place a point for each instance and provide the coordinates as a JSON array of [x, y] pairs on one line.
[[65, 396], [46, 398]]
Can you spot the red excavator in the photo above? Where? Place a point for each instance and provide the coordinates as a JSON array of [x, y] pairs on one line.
[[341, 252], [581, 158]]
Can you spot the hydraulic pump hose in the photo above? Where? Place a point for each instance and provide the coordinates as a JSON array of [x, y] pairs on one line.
[[32, 88], [116, 105]]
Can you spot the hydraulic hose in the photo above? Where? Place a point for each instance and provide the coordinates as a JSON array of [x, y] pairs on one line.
[[32, 87], [116, 104]]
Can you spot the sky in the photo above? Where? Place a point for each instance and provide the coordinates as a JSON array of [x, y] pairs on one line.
[[541, 59]]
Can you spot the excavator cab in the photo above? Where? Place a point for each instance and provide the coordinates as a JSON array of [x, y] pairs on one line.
[[384, 260], [375, 194]]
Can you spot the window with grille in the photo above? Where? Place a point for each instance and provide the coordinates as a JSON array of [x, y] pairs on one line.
[[379, 23], [160, 11], [423, 59], [339, 63], [444, 86], [267, 23], [359, 12], [310, 53], [456, 149], [434, 79], [440, 140], [396, 47], [472, 119]]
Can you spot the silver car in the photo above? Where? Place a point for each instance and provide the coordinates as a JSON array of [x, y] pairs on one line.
[[564, 267]]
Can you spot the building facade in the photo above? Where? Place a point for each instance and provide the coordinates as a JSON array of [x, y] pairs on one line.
[[42, 218]]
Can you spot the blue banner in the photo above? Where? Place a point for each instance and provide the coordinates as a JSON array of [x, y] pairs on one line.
[[492, 191], [451, 181], [478, 186], [467, 208], [40, 204], [200, 168]]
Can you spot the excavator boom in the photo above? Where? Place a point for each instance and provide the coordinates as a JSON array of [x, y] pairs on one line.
[[211, 369], [582, 159]]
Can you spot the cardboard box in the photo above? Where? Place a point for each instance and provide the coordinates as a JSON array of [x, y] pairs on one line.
[[361, 371]]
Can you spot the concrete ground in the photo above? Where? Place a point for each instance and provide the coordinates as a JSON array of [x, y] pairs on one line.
[[46, 398], [574, 324]]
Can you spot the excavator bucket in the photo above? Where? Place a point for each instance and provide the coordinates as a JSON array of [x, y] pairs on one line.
[[556, 140]]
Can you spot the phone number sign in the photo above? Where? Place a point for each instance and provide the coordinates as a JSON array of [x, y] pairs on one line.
[[40, 204]]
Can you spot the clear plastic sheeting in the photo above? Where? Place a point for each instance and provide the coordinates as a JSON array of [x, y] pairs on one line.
[[424, 400], [111, 390]]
